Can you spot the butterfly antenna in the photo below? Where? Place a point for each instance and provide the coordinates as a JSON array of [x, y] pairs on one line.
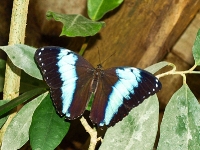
[[101, 63], [108, 57], [99, 55]]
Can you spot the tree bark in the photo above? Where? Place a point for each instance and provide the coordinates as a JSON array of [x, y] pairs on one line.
[[140, 33]]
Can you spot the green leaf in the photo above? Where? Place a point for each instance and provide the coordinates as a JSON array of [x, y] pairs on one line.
[[97, 8], [137, 130], [2, 73], [180, 127], [47, 128], [22, 56], [28, 83], [76, 25], [17, 133], [88, 107], [196, 49], [155, 67], [4, 117], [19, 100]]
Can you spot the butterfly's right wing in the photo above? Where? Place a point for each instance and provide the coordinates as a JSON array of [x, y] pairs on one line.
[[119, 90], [69, 76]]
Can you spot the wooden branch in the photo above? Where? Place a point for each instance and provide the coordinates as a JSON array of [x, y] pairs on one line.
[[17, 35], [92, 132]]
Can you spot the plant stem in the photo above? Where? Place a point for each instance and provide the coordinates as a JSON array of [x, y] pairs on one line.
[[84, 46], [92, 132], [173, 71], [16, 36]]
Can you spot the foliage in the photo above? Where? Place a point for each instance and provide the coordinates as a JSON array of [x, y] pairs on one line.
[[38, 120], [76, 25], [181, 122]]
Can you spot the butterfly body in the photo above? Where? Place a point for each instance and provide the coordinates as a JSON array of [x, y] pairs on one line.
[[96, 75], [73, 81]]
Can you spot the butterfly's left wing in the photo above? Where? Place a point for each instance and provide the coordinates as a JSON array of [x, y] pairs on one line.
[[68, 75], [119, 90]]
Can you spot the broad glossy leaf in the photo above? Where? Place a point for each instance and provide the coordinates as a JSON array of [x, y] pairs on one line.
[[22, 56], [97, 8], [196, 49], [137, 130], [47, 129], [76, 25], [180, 127], [17, 133]]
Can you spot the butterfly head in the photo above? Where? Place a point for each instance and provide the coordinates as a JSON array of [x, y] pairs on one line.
[[99, 66]]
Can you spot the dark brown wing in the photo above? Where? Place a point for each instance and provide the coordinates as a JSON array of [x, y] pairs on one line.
[[68, 75], [119, 90]]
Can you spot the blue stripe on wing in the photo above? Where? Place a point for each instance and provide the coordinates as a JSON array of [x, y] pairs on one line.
[[67, 75], [132, 87], [66, 64], [129, 78]]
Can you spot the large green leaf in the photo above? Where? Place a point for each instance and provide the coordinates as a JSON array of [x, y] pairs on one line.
[[76, 25], [17, 133], [196, 49], [180, 127], [19, 100], [47, 128], [97, 8], [137, 130], [22, 56]]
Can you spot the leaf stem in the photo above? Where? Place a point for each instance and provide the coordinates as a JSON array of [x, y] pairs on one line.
[[92, 132], [84, 46], [182, 73], [173, 71], [82, 50], [191, 69]]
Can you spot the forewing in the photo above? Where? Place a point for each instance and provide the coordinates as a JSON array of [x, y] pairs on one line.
[[121, 89], [68, 75]]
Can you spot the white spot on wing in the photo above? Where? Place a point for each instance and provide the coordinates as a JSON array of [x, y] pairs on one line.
[[156, 85]]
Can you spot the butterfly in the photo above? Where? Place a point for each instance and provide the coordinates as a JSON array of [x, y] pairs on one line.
[[73, 82]]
